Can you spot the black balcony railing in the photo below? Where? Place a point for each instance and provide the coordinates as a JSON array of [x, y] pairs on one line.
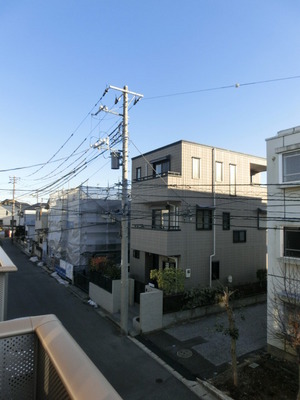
[[157, 228]]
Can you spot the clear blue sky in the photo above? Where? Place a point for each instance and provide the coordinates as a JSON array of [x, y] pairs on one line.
[[57, 57]]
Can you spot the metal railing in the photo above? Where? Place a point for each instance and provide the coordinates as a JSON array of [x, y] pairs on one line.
[[40, 360]]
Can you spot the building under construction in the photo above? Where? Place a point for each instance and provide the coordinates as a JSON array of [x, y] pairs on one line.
[[83, 222]]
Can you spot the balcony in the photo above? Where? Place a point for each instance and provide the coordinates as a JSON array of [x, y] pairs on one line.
[[40, 360]]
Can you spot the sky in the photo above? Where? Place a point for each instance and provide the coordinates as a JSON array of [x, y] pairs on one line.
[[215, 72]]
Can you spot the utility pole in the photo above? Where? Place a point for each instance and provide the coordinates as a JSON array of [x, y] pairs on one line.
[[125, 200], [13, 181], [124, 226]]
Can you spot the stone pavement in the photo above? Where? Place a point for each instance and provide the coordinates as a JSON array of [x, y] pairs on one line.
[[197, 350]]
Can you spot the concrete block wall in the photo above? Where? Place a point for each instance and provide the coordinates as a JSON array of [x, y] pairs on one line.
[[151, 310], [111, 302]]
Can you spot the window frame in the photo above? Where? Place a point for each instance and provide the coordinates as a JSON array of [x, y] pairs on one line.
[[165, 218], [262, 219], [217, 178], [136, 253], [285, 157], [232, 180], [164, 165], [138, 173], [215, 270], [291, 252], [237, 236], [226, 221], [196, 169], [203, 213]]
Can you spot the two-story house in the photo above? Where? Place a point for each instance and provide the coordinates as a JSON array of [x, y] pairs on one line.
[[283, 155], [201, 209]]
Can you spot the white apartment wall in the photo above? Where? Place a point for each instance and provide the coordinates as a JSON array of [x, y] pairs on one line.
[[283, 211]]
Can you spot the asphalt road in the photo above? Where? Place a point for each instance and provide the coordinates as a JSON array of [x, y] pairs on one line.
[[132, 372]]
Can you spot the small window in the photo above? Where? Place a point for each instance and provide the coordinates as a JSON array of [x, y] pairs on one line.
[[232, 180], [203, 219], [219, 171], [215, 270], [161, 167], [195, 168], [136, 254], [239, 236], [138, 173], [168, 264], [261, 219], [291, 166], [226, 221], [292, 242]]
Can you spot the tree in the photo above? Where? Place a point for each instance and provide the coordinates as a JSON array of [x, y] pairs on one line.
[[284, 311], [232, 331]]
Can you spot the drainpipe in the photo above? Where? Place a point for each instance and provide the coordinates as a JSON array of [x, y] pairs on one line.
[[214, 215]]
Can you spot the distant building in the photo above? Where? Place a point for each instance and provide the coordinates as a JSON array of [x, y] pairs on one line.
[[283, 155], [83, 222], [10, 210], [199, 208]]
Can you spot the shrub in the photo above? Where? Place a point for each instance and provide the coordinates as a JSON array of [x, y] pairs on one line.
[[105, 266], [199, 297], [170, 280]]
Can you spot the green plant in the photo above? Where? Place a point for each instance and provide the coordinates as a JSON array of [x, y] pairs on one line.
[[170, 280], [199, 297]]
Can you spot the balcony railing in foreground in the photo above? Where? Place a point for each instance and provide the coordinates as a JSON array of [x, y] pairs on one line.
[[39, 359]]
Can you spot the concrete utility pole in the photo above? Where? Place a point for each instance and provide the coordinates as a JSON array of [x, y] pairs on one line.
[[125, 201], [13, 181]]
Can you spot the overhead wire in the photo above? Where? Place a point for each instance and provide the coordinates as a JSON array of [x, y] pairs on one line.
[[235, 85]]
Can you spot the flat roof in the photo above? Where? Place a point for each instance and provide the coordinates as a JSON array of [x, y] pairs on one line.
[[198, 144]]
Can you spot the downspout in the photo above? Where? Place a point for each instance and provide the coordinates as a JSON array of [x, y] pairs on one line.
[[214, 215]]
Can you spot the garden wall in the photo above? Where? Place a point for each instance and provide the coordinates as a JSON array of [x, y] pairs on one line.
[[111, 302]]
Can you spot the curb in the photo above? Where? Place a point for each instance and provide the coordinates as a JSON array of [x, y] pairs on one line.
[[199, 387]]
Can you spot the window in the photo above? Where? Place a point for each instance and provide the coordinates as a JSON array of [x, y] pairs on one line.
[[215, 270], [138, 173], [232, 180], [204, 219], [168, 264], [136, 254], [219, 171], [291, 166], [239, 236], [1, 222], [161, 167], [195, 168], [261, 219], [292, 242], [226, 221], [166, 218]]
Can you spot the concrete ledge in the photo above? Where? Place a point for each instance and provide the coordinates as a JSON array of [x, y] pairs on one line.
[[184, 315], [213, 390]]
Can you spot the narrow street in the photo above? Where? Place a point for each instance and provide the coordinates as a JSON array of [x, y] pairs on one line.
[[132, 372]]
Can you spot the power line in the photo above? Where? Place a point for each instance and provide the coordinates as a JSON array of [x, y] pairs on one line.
[[236, 85]]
